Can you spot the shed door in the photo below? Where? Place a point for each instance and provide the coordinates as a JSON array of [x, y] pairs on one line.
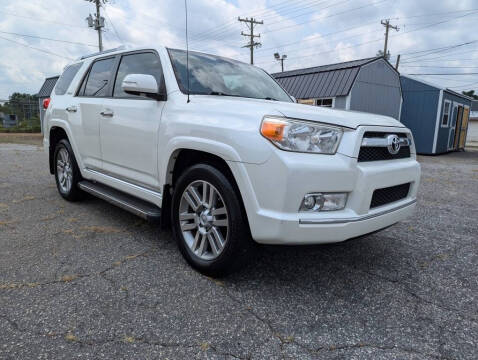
[[459, 118], [464, 128], [451, 134]]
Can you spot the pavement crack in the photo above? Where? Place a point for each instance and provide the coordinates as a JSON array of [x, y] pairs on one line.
[[213, 348], [406, 288], [65, 279], [283, 340], [333, 348]]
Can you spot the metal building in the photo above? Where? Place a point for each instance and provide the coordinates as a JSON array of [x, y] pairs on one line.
[[45, 93], [370, 85], [438, 117]]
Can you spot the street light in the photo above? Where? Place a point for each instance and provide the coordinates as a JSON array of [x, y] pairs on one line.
[[281, 59]]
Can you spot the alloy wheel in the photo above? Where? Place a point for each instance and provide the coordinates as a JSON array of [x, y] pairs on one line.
[[64, 169], [203, 220]]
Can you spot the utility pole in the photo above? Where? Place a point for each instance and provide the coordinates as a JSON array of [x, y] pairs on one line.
[[281, 59], [398, 62], [98, 22], [388, 26], [252, 43]]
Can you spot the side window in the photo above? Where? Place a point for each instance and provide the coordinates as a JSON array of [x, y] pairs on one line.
[[446, 114], [98, 79], [66, 78], [325, 102], [145, 63]]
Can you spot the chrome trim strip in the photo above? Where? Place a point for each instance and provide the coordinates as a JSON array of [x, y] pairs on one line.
[[383, 142], [138, 187], [354, 219]]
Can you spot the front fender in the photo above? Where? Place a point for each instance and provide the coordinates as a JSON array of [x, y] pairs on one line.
[[224, 151]]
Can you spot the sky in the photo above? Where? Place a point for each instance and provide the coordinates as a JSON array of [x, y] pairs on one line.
[[38, 38]]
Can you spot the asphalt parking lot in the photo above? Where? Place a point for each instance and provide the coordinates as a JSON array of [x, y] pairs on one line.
[[87, 280]]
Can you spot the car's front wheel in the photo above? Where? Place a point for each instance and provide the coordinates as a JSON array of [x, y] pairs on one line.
[[209, 223]]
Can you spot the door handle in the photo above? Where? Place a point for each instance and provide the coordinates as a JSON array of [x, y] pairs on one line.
[[107, 113], [71, 109]]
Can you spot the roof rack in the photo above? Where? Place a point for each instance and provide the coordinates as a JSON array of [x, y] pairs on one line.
[[122, 47]]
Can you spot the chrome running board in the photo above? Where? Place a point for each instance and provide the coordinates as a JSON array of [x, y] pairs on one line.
[[125, 201]]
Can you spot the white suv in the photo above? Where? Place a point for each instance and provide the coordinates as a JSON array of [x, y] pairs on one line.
[[235, 160]]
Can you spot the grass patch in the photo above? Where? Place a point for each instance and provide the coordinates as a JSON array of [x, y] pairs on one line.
[[21, 138]]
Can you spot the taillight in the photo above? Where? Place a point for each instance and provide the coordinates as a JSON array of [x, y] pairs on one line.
[[46, 103]]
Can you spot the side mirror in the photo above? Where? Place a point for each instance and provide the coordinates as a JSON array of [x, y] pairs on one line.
[[142, 84]]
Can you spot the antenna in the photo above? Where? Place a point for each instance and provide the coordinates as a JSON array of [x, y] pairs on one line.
[[187, 43]]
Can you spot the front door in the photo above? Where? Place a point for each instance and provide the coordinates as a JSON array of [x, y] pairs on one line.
[[129, 125]]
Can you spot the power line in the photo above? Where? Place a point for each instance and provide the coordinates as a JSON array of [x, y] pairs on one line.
[[441, 56], [371, 41], [325, 17], [45, 38], [40, 20], [321, 36], [35, 48], [435, 14], [113, 26], [441, 67], [447, 74], [278, 7], [308, 13]]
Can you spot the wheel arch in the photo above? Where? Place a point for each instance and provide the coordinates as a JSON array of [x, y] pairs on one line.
[[183, 158], [56, 134]]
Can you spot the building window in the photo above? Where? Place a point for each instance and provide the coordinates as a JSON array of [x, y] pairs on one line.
[[446, 114], [306, 101], [325, 102]]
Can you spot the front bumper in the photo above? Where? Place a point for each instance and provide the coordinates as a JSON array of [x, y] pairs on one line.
[[278, 186]]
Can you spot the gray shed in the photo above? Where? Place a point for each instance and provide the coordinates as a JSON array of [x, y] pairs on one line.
[[370, 85], [45, 93]]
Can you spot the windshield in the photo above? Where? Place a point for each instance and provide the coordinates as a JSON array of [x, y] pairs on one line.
[[214, 75]]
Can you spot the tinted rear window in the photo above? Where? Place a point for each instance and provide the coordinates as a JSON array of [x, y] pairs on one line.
[[66, 78], [99, 77]]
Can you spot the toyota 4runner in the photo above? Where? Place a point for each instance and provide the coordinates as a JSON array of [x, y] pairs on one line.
[[218, 150]]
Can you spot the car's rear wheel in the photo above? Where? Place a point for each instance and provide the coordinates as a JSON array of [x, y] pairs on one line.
[[209, 223], [67, 174]]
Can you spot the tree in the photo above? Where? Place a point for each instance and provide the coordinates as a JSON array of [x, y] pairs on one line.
[[380, 54], [470, 93]]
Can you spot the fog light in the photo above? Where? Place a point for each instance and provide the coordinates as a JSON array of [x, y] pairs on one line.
[[323, 202], [309, 202]]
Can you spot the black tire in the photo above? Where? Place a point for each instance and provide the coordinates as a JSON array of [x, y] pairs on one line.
[[238, 247], [73, 193]]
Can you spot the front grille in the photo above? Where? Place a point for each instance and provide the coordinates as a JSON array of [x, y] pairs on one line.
[[389, 195], [370, 153]]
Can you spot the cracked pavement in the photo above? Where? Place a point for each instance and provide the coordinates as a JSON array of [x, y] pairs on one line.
[[90, 281]]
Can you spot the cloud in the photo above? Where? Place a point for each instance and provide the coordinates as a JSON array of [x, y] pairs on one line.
[[309, 32]]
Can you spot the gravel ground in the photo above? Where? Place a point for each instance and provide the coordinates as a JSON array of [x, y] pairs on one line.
[[87, 280]]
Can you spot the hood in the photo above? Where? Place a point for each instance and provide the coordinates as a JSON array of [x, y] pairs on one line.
[[350, 119]]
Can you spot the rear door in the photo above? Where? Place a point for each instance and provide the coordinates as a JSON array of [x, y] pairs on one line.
[[95, 88], [129, 124]]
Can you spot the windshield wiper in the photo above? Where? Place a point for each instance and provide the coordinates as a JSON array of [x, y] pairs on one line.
[[218, 93]]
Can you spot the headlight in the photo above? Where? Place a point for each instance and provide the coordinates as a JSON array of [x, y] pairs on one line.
[[301, 136]]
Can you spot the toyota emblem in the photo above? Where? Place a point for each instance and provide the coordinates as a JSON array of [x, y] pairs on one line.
[[393, 144]]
